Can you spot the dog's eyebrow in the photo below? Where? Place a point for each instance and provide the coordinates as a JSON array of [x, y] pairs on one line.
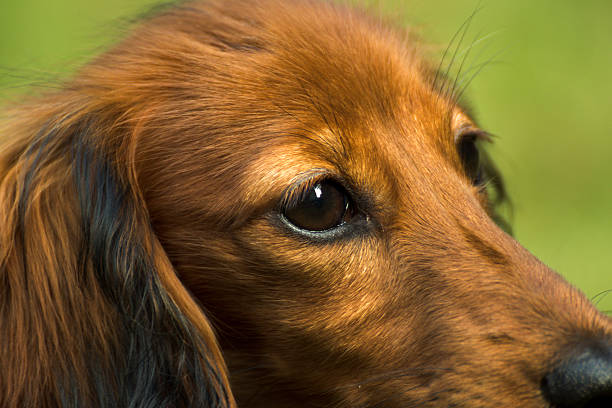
[[464, 127], [465, 108]]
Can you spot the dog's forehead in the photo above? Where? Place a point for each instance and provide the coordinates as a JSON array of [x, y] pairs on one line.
[[321, 65], [290, 87], [350, 81]]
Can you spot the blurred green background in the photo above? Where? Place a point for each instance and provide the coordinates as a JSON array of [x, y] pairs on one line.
[[547, 96]]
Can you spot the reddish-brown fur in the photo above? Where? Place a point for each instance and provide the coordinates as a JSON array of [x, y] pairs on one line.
[[205, 117]]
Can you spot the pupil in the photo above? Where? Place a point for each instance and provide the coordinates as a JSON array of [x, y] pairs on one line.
[[322, 208], [471, 160]]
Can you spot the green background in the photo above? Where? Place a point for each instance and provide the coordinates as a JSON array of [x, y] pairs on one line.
[[547, 96]]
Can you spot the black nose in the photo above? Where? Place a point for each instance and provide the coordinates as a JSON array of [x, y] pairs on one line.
[[583, 380]]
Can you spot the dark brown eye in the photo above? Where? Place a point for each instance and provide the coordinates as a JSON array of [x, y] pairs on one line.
[[470, 158], [323, 206]]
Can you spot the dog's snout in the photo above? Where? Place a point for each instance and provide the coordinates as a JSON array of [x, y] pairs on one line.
[[583, 380]]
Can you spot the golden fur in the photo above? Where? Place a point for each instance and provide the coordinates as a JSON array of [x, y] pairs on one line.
[[145, 257]]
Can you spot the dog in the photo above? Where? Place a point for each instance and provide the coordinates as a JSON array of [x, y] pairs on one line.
[[273, 204]]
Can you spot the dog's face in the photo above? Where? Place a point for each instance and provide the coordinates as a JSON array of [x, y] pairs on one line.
[[322, 196], [319, 190]]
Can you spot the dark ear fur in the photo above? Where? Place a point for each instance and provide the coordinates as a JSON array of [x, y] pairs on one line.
[[91, 311]]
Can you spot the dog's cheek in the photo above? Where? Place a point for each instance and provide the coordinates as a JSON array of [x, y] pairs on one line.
[[332, 301]]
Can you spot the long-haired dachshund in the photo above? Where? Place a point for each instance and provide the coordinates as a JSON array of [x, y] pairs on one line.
[[272, 204]]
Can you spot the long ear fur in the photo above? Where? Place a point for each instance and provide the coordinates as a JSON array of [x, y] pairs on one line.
[[91, 311]]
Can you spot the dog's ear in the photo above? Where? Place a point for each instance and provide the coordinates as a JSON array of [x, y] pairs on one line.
[[92, 312]]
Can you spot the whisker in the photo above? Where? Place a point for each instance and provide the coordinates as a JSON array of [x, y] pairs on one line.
[[416, 371], [465, 29], [481, 39], [601, 295], [459, 30], [465, 53], [465, 84]]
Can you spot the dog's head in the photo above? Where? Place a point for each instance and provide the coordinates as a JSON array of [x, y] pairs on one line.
[[317, 188]]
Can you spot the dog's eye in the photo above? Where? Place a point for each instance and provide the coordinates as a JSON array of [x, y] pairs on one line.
[[470, 158], [321, 207]]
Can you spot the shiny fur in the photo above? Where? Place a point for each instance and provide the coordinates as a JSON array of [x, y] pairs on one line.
[[140, 209]]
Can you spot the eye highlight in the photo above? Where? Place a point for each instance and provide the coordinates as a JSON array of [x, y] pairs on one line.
[[320, 206]]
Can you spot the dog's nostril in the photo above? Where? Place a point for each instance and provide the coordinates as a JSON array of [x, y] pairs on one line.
[[583, 380]]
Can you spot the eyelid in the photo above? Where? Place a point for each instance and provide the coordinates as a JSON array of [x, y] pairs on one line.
[[299, 188], [298, 192], [469, 132]]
